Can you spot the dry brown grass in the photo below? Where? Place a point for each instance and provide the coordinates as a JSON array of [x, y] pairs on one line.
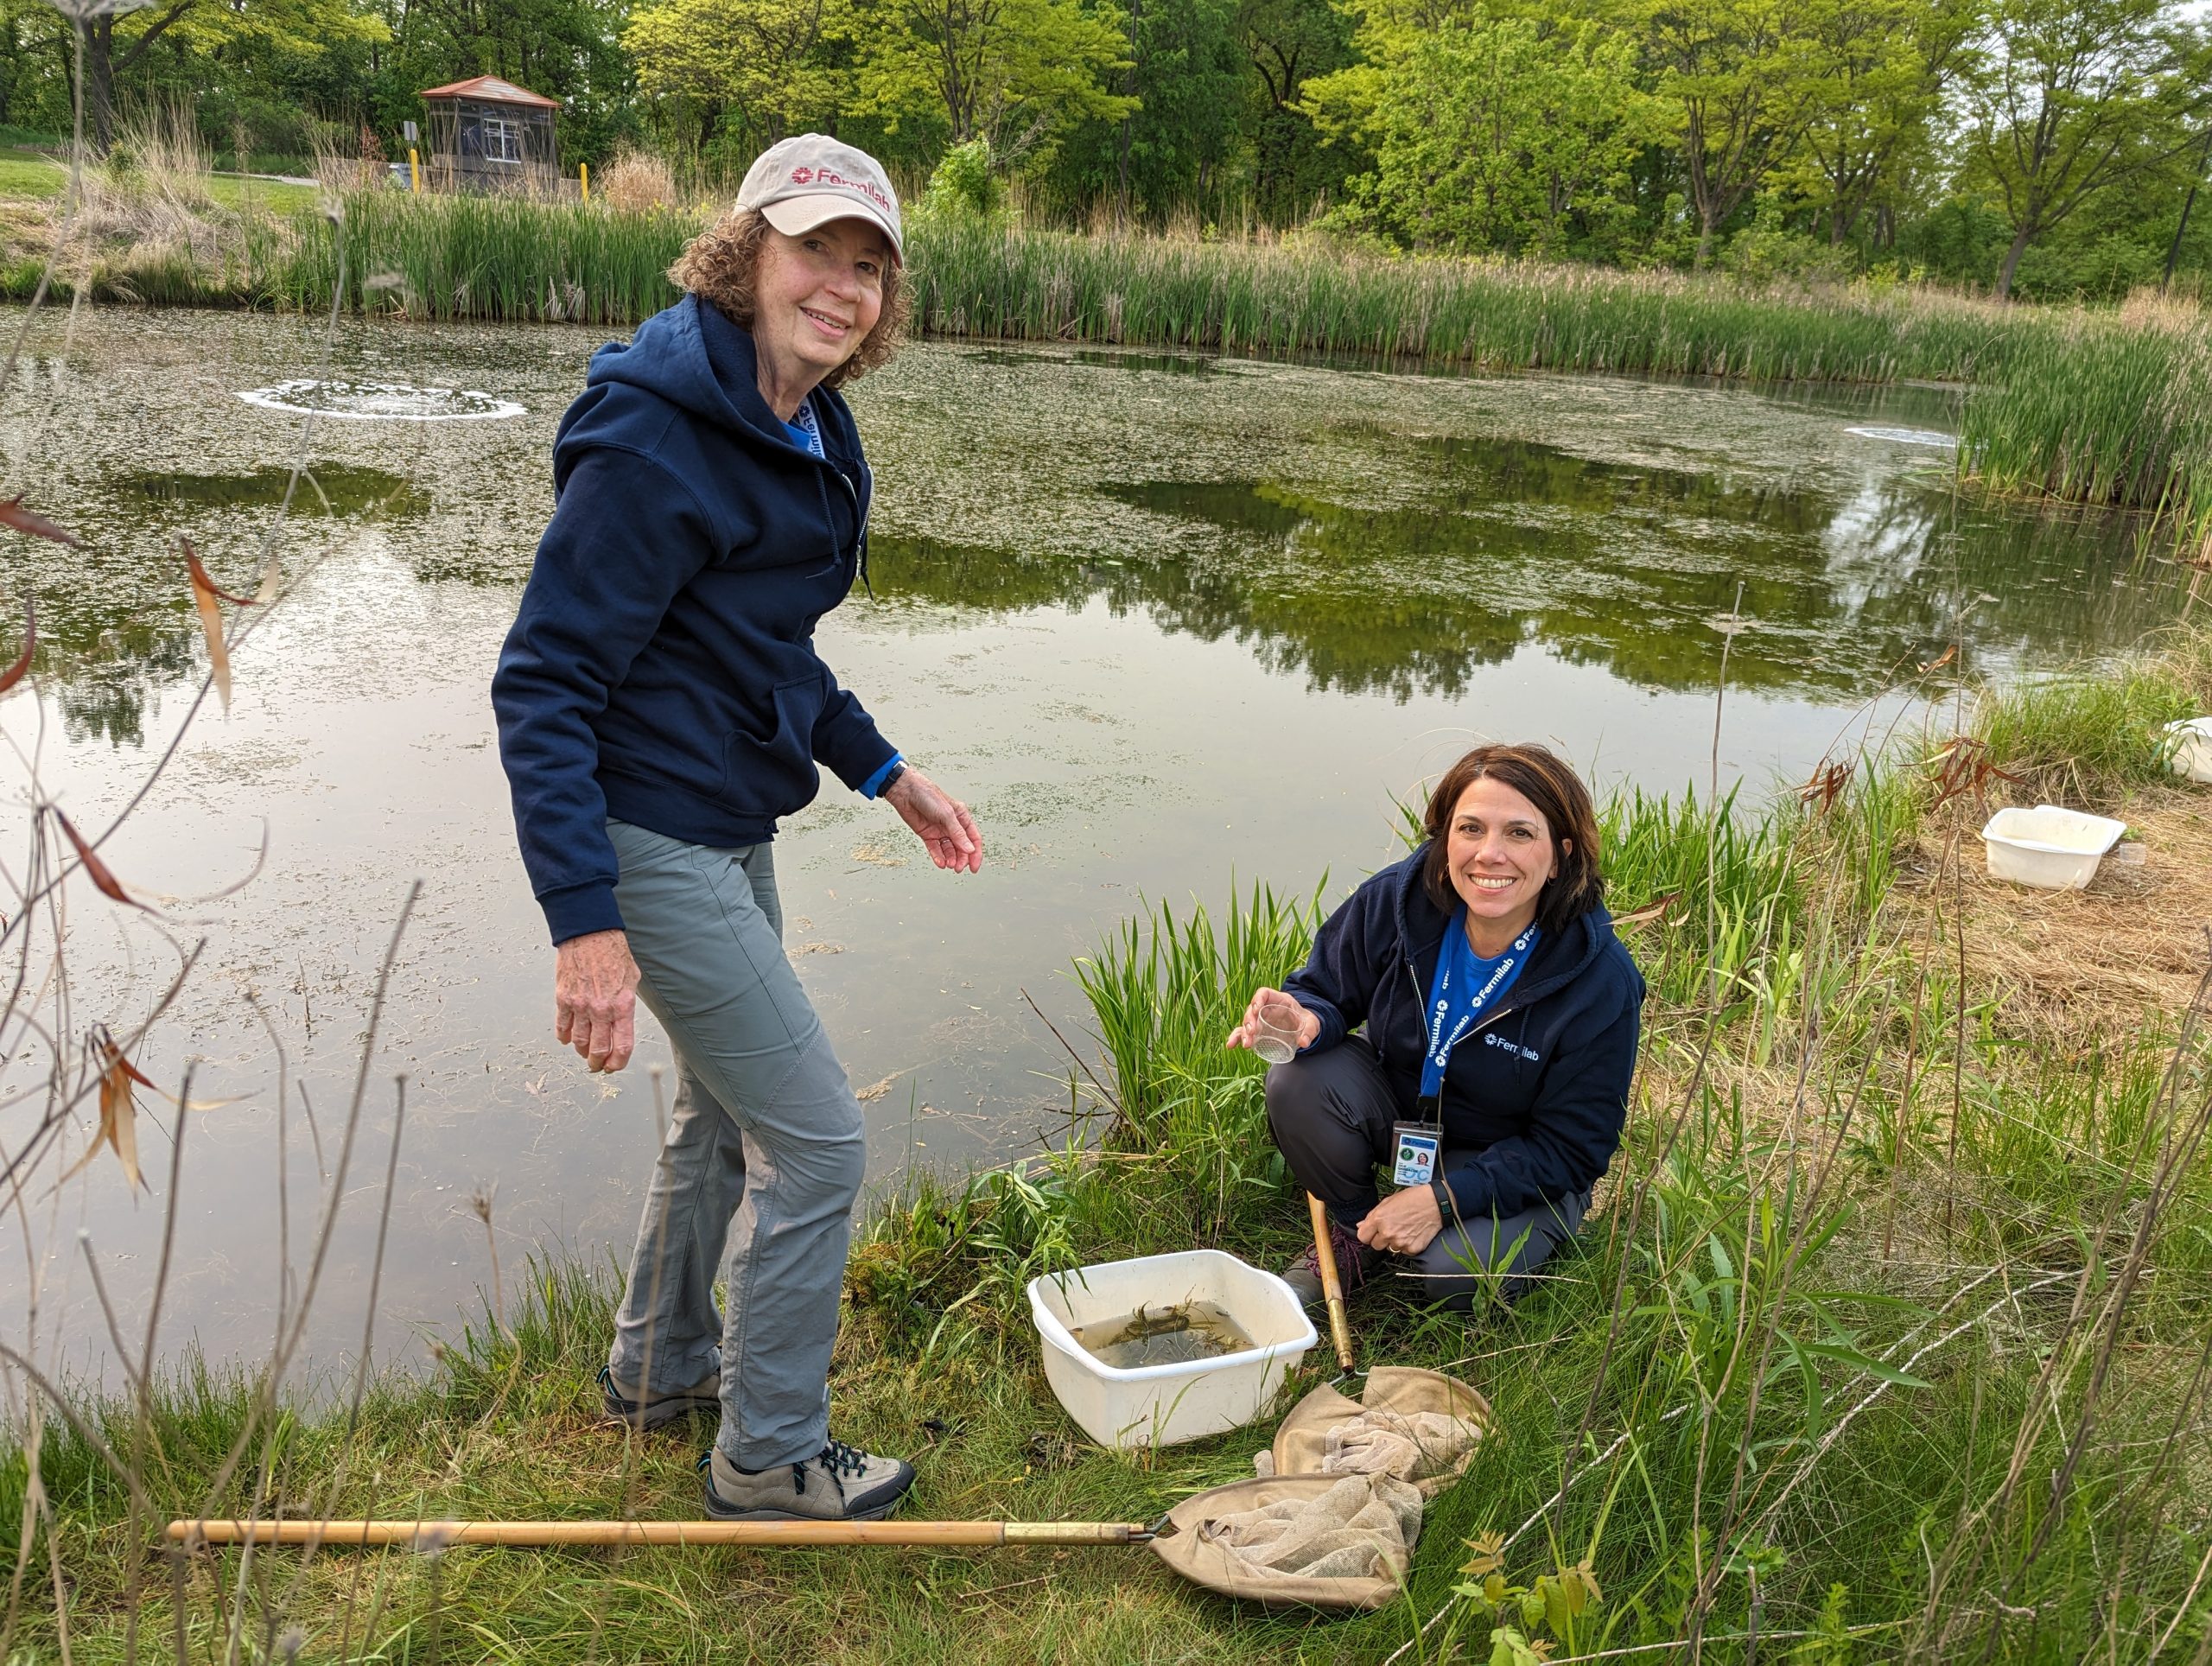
[[2078, 964], [635, 180], [356, 167], [148, 203], [2149, 308]]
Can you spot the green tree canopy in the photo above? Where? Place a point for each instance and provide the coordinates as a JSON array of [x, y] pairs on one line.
[[2070, 99], [1486, 132], [760, 60], [115, 40], [1015, 73], [1879, 71], [1740, 78]]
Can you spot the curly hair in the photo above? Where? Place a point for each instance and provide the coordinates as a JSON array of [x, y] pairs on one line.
[[1538, 775], [723, 262]]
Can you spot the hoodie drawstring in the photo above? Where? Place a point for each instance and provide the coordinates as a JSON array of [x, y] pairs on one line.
[[829, 519]]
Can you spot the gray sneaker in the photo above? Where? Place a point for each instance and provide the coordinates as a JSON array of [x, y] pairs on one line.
[[651, 1411], [1355, 1263], [841, 1484]]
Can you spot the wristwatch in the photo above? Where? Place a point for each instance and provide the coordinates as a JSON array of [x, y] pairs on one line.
[[891, 779]]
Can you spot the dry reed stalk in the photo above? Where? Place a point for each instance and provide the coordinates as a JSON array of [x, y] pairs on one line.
[[636, 180]]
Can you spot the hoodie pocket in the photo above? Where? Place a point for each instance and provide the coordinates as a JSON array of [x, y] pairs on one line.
[[775, 772]]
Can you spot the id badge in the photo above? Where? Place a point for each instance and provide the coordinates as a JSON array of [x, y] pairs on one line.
[[1415, 1149]]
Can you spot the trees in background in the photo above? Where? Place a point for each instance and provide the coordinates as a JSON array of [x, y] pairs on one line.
[[2072, 98], [1486, 132], [2043, 146], [1187, 77], [117, 44], [1738, 78], [1881, 72], [1289, 43], [755, 68], [1015, 74]]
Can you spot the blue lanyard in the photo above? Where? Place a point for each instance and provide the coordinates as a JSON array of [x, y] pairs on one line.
[[806, 431], [1456, 1001]]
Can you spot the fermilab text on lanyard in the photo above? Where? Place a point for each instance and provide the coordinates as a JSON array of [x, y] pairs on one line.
[[808, 431], [1454, 1009]]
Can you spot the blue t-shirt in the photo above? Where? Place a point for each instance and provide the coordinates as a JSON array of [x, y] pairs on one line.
[[1464, 987]]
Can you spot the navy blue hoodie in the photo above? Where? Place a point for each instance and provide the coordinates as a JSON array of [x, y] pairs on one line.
[[662, 670], [1535, 1097]]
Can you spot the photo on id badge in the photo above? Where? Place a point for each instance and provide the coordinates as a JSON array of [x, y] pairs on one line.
[[1416, 1145]]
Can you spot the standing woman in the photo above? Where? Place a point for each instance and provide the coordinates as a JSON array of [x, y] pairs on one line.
[[1498, 1016], [661, 705]]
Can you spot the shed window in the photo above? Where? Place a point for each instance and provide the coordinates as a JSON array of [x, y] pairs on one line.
[[502, 140]]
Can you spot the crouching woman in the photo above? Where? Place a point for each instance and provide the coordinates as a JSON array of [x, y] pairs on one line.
[[1499, 1014]]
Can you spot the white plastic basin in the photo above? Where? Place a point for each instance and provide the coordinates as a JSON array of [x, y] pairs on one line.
[[1160, 1405], [2191, 740], [2047, 847]]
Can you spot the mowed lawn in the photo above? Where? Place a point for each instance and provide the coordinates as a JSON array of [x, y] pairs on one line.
[[32, 175]]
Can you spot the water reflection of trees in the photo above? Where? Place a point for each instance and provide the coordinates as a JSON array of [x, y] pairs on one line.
[[115, 618], [1606, 564], [1499, 544]]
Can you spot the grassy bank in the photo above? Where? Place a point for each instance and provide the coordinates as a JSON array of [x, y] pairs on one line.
[[459, 257], [1887, 1339]]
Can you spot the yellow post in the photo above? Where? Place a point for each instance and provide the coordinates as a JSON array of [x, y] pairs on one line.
[[415, 169], [583, 179]]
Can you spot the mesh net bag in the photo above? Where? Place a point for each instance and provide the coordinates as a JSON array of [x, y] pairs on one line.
[[1335, 1525]]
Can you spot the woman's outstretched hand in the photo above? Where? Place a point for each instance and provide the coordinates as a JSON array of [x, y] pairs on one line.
[[942, 822], [1286, 1010], [594, 998], [1404, 1223]]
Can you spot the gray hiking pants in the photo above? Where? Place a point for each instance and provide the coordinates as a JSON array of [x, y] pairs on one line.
[[1334, 1117], [762, 1161]]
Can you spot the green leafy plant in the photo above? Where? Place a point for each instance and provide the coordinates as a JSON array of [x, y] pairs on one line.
[[965, 185], [1553, 1602]]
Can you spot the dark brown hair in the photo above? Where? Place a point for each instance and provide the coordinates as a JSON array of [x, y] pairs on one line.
[[723, 262], [1539, 775]]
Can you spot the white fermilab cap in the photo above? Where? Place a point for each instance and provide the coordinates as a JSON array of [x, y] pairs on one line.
[[809, 180]]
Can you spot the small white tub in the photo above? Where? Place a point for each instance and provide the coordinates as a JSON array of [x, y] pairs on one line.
[[1160, 1405], [2191, 743], [2052, 848]]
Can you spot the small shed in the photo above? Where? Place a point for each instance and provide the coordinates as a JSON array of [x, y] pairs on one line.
[[486, 133]]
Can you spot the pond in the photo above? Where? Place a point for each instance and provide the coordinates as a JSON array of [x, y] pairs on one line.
[[1171, 624]]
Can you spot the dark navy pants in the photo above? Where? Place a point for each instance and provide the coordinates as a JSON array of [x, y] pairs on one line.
[[1334, 1116]]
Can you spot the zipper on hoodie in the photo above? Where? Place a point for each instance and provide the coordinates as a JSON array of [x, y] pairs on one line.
[[860, 538], [860, 515]]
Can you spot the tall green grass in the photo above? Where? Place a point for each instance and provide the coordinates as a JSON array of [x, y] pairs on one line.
[[511, 258], [1166, 990], [2107, 410], [2074, 405], [974, 279], [505, 259], [2089, 737]]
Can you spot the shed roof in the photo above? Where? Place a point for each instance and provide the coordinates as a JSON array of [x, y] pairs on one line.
[[492, 90]]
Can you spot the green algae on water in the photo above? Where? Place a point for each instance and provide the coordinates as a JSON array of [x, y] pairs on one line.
[[341, 488]]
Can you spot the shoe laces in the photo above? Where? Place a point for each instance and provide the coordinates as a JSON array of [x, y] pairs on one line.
[[839, 1458], [1351, 1254]]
